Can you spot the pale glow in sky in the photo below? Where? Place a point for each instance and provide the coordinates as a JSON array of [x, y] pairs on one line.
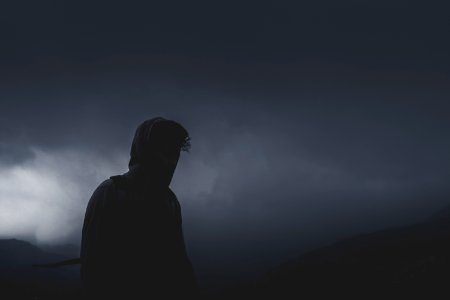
[[44, 198]]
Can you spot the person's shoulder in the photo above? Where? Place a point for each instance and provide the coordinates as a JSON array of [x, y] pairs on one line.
[[107, 184], [99, 196], [104, 188]]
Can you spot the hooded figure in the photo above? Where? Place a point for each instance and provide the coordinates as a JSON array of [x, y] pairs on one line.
[[132, 241]]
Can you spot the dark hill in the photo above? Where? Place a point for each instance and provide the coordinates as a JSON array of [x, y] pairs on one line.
[[66, 250], [20, 280], [17, 254], [400, 263], [409, 262]]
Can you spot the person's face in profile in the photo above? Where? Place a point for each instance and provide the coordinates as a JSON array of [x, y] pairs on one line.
[[170, 155], [166, 157], [166, 144]]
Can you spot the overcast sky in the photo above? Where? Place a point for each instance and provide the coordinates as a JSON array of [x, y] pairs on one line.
[[309, 122]]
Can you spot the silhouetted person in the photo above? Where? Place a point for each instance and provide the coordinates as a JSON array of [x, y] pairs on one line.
[[132, 242]]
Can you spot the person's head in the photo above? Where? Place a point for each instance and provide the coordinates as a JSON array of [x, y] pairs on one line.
[[157, 145]]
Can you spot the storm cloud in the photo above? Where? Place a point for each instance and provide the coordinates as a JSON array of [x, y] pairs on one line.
[[308, 123]]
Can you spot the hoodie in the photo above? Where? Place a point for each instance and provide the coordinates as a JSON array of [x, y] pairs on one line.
[[132, 239]]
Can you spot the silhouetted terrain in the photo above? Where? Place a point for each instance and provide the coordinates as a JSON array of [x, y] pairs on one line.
[[20, 280], [66, 250], [400, 263]]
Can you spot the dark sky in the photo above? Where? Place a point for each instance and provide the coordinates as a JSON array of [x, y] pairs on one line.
[[309, 122]]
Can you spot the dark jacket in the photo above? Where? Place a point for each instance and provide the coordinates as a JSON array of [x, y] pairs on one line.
[[132, 240]]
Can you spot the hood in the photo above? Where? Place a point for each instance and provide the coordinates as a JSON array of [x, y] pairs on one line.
[[143, 161], [140, 148]]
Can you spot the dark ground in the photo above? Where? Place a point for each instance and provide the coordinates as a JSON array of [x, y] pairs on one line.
[[406, 262]]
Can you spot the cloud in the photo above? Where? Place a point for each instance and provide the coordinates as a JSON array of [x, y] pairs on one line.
[[44, 198], [261, 178]]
